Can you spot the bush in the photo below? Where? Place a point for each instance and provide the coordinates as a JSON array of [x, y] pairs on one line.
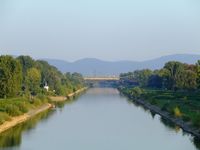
[[12, 110], [177, 112], [4, 117], [196, 120], [22, 107], [136, 92], [37, 102]]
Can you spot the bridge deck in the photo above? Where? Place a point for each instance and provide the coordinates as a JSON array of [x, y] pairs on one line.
[[101, 78]]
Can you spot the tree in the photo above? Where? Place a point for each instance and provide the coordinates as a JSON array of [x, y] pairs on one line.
[[155, 81], [51, 76], [142, 76], [175, 70], [27, 62], [198, 73], [77, 80], [188, 80], [33, 80], [136, 92], [10, 77]]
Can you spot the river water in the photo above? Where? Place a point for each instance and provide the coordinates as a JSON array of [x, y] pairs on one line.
[[100, 119]]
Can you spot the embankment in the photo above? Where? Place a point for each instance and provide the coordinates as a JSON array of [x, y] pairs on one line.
[[63, 98], [186, 126], [22, 118]]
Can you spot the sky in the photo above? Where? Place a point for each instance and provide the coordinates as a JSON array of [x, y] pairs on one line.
[[104, 29]]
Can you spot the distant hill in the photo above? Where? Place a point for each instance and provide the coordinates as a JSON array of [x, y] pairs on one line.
[[92, 66]]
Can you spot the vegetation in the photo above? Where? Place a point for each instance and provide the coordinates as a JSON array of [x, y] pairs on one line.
[[22, 82], [175, 88], [10, 76]]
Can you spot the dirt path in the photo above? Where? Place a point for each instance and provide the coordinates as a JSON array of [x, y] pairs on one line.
[[63, 98], [19, 119]]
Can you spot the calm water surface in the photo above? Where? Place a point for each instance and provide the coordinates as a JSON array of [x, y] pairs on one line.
[[100, 119]]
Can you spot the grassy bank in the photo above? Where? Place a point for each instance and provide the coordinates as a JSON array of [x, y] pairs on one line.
[[17, 110], [18, 106], [181, 105], [63, 98], [185, 105]]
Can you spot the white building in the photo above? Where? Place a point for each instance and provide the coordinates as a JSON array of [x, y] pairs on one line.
[[46, 87]]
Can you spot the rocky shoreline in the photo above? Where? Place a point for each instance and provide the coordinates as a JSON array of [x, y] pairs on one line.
[[186, 126]]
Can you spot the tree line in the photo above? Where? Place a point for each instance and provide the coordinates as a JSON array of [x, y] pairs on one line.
[[24, 75], [173, 76]]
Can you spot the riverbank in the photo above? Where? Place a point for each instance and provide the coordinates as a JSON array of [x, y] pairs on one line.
[[22, 118], [13, 121], [64, 98], [187, 126]]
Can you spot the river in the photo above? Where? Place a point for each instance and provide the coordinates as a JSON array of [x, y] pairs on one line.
[[99, 119]]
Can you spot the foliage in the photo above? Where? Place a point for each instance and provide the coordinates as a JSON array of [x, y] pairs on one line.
[[4, 117], [10, 76], [173, 76], [26, 62], [25, 78], [33, 80], [136, 92], [142, 76], [177, 112], [198, 73]]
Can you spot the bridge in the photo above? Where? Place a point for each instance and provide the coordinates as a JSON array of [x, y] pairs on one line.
[[101, 78], [102, 81]]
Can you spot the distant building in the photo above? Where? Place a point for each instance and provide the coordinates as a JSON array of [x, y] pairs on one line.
[[46, 87]]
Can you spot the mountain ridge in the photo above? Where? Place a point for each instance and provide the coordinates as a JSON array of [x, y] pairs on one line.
[[93, 66]]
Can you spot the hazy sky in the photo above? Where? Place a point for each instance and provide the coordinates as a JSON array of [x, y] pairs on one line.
[[105, 29]]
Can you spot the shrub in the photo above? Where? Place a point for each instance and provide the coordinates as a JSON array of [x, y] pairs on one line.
[[22, 107], [177, 112], [37, 102], [136, 92], [196, 120], [12, 110], [4, 117]]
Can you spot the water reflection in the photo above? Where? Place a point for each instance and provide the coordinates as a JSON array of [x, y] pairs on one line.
[[99, 119], [13, 137], [170, 125]]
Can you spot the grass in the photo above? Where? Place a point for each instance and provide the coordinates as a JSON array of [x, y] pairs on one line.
[[17, 106], [181, 104]]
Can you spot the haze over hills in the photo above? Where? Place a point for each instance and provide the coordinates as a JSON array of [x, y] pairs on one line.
[[92, 66]]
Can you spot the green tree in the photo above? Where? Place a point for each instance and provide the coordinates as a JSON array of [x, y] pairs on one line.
[[198, 73], [77, 80], [175, 70], [10, 76], [33, 80], [51, 76], [27, 62], [142, 76], [136, 92], [188, 80]]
